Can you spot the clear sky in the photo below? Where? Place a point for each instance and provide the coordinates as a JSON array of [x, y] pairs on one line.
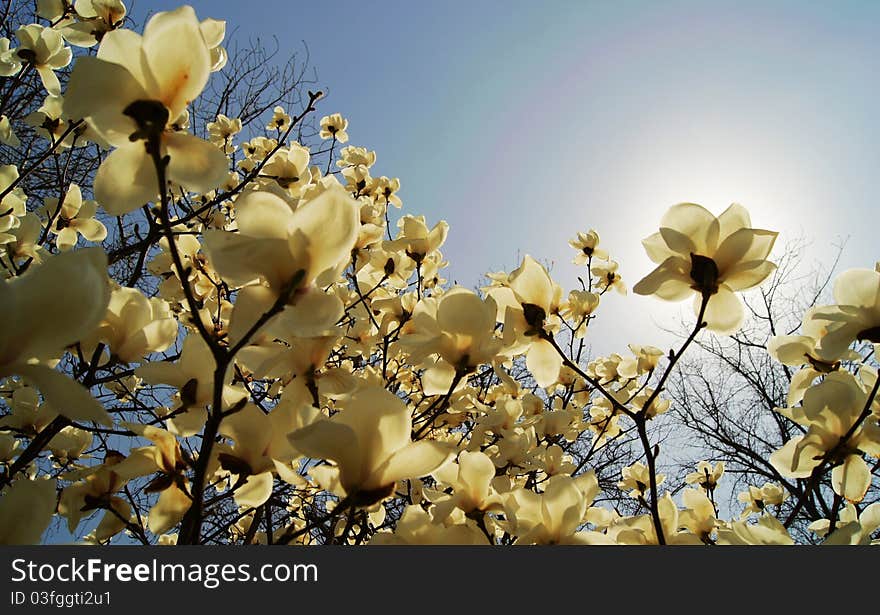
[[521, 123]]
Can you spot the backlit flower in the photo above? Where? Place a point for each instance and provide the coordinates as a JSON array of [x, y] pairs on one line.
[[710, 257]]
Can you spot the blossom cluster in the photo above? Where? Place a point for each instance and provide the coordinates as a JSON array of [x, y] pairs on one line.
[[292, 367]]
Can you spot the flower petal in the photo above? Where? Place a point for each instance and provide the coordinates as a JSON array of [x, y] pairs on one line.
[[693, 222], [100, 90], [28, 506], [126, 179], [67, 397], [670, 281], [544, 363], [412, 461], [178, 58], [724, 313], [852, 478], [194, 163], [255, 491], [168, 510]]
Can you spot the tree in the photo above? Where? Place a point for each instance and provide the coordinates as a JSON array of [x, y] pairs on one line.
[[218, 337]]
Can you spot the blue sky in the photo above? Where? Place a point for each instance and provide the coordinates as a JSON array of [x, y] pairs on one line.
[[521, 123]]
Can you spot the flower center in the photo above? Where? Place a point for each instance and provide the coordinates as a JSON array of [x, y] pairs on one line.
[[151, 117], [704, 273]]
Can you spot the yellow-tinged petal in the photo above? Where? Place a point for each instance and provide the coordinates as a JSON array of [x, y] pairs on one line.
[[327, 439], [168, 510], [67, 397], [326, 229], [748, 274], [476, 470], [28, 506], [532, 284], [724, 312], [859, 287], [656, 248], [126, 179], [670, 280], [732, 250], [178, 58], [241, 260], [852, 478], [462, 311], [696, 229], [48, 311], [786, 460], [194, 163], [790, 349], [263, 214], [544, 363], [412, 461], [314, 313], [100, 90], [733, 218], [255, 491], [123, 47]]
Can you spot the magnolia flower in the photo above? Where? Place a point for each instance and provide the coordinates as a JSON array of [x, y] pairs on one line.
[[830, 411], [74, 217], [805, 350], [333, 127], [459, 327], [470, 480], [554, 516], [135, 326], [706, 475], [416, 239], [529, 306], [853, 528], [608, 278], [221, 131], [369, 439], [12, 206], [637, 478], [289, 167], [69, 444], [132, 93], [93, 488], [53, 306], [580, 306], [699, 518], [757, 499], [49, 123], [9, 446], [165, 456], [97, 17], [416, 527], [358, 181], [640, 530], [23, 243], [9, 61], [385, 190], [28, 415], [43, 48], [767, 531], [262, 448], [278, 251], [280, 120], [645, 359], [856, 315], [587, 246], [710, 257], [353, 156]]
